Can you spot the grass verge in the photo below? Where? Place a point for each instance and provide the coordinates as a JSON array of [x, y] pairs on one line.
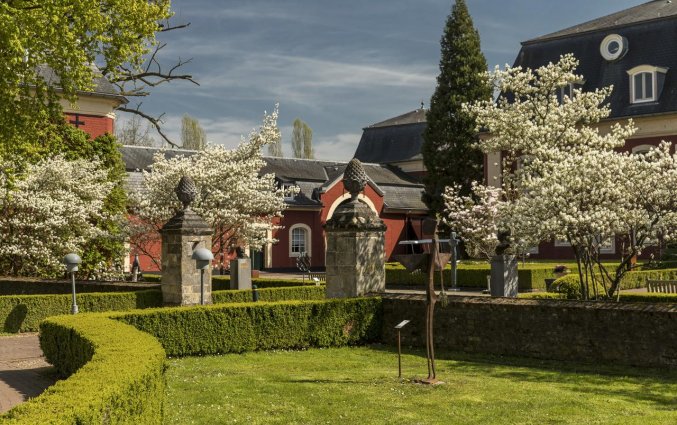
[[360, 385]]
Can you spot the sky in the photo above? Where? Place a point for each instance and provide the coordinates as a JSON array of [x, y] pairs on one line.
[[338, 65]]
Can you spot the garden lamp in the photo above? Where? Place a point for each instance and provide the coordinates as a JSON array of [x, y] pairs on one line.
[[203, 258], [71, 261]]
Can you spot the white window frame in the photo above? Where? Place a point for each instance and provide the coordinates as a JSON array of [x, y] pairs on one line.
[[645, 69], [308, 245], [610, 249], [642, 149], [561, 244]]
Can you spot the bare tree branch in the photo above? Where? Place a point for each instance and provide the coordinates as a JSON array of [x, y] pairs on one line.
[[156, 122]]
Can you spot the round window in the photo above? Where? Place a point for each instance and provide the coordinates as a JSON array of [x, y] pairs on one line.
[[613, 47]]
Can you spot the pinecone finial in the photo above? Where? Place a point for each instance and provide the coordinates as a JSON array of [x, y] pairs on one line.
[[354, 178], [186, 191]]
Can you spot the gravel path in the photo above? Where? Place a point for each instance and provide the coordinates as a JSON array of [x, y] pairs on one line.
[[24, 373]]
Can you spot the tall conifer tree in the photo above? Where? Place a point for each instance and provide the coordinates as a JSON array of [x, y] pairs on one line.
[[447, 149]]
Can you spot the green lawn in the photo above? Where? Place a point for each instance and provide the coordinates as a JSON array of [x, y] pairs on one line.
[[360, 386]]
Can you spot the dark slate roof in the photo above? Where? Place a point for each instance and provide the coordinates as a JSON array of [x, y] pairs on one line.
[[138, 158], [394, 140], [651, 42], [653, 10], [101, 84], [400, 190]]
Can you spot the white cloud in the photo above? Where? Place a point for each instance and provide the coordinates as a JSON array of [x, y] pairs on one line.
[[339, 147]]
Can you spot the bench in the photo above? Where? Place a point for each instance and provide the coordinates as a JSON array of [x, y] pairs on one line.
[[662, 286], [317, 276]]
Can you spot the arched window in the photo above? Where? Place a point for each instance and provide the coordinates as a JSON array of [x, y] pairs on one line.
[[646, 83], [299, 240]]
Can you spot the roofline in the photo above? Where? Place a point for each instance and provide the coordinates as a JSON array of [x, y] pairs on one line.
[[393, 210], [393, 125], [123, 100], [302, 208], [545, 37]]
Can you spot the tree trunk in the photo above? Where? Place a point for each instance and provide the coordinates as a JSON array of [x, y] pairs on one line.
[[430, 300]]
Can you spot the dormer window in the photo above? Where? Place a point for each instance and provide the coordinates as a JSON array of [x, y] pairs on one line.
[[646, 83]]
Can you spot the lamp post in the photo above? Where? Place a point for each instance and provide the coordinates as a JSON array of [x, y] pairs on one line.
[[203, 258], [71, 261]]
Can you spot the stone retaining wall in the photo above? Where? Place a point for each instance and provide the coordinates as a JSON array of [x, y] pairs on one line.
[[613, 333]]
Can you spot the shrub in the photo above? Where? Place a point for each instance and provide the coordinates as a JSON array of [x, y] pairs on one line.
[[235, 328], [270, 294], [10, 286], [222, 282], [151, 278], [119, 378], [23, 313], [571, 286], [473, 276]]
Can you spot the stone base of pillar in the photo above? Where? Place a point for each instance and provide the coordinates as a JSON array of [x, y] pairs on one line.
[[504, 279], [355, 263], [241, 273]]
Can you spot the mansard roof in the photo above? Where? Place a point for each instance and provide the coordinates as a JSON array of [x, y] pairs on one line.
[[649, 11], [652, 40], [394, 140]]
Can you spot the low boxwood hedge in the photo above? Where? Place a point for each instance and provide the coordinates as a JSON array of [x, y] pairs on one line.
[[270, 294], [222, 282], [472, 277], [116, 375], [235, 328], [570, 284], [23, 313], [20, 286]]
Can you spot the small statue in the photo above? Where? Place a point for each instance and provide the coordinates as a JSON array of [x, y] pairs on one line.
[[239, 252], [503, 246]]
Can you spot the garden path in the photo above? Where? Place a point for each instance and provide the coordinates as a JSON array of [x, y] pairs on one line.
[[24, 372]]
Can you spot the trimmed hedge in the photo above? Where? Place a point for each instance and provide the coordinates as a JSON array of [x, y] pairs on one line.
[[571, 285], [116, 375], [41, 287], [472, 277], [270, 294], [631, 297], [236, 328], [23, 313], [222, 282]]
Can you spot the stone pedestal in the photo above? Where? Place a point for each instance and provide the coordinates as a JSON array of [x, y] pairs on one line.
[[182, 234], [355, 257], [504, 276], [355, 263], [241, 273]]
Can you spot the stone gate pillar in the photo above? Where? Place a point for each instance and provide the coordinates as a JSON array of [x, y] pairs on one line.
[[355, 243], [181, 235]]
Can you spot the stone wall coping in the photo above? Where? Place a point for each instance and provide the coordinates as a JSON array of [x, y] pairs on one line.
[[573, 304]]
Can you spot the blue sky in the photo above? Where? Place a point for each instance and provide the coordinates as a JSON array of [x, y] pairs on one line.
[[338, 65]]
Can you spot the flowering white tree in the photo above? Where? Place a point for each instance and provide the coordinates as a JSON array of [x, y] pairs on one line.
[[563, 179], [49, 211], [231, 196], [474, 217]]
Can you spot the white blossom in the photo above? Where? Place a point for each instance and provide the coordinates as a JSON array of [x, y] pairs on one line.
[[49, 211], [231, 196]]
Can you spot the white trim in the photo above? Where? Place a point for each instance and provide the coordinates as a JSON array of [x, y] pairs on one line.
[[622, 47], [345, 196], [645, 69], [608, 250], [561, 243], [309, 231], [640, 149]]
